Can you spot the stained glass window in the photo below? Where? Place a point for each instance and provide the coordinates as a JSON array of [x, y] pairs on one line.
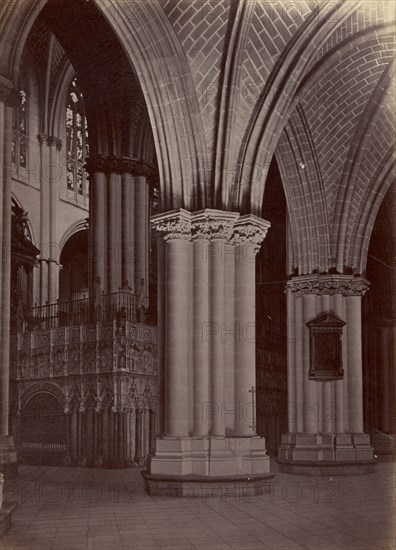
[[19, 125], [76, 141]]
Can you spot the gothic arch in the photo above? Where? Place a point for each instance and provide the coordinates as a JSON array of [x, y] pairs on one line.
[[303, 184], [341, 219], [371, 203], [41, 387], [348, 192], [79, 225], [170, 98], [346, 223], [57, 110], [272, 110]]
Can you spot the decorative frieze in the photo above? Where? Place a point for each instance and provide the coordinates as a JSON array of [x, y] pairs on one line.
[[328, 285], [96, 348]]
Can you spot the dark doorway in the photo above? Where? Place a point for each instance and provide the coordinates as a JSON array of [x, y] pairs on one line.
[[73, 278], [42, 438]]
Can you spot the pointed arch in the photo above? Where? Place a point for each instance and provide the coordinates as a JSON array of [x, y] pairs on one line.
[[158, 61], [272, 110], [304, 190]]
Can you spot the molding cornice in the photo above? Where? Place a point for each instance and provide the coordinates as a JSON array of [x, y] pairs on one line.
[[328, 285]]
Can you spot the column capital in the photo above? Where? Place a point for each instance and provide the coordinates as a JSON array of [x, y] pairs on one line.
[[52, 140], [250, 229], [96, 163], [327, 285], [211, 224], [138, 167], [174, 225], [43, 138], [120, 165]]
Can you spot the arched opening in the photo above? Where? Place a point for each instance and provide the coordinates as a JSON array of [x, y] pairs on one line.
[[271, 371], [379, 313], [73, 277], [113, 100], [42, 435]]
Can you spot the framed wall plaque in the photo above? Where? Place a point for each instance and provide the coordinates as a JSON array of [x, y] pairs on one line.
[[326, 347]]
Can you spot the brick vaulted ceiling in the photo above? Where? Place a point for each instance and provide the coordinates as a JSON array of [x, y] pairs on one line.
[[230, 83], [338, 124]]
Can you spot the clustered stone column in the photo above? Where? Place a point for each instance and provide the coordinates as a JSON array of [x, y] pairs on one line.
[[8, 459], [119, 224], [49, 187], [209, 350], [325, 417]]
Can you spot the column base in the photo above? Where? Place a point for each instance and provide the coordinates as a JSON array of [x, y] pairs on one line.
[[238, 487], [326, 454], [198, 466], [8, 457]]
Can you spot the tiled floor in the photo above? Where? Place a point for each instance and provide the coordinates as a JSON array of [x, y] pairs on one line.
[[75, 508]]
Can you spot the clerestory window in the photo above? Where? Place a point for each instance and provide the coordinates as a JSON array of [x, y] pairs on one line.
[[19, 150], [76, 142]]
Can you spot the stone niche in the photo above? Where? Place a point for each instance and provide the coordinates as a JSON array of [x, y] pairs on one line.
[[325, 334]]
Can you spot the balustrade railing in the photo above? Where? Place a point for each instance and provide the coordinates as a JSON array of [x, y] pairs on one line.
[[120, 305]]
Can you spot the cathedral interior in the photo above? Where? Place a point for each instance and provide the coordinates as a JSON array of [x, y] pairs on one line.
[[197, 239]]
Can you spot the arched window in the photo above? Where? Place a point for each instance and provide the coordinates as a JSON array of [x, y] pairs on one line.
[[19, 125], [76, 141]]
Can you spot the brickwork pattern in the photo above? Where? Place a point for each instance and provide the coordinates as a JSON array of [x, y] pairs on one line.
[[339, 103], [273, 26], [367, 14], [201, 29], [305, 193]]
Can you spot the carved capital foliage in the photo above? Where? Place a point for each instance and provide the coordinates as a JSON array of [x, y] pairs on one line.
[[250, 230], [139, 168], [213, 224], [173, 225], [120, 165], [209, 224], [328, 285], [96, 163]]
